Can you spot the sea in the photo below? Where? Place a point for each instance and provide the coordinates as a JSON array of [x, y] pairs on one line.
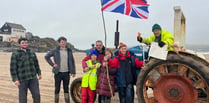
[[202, 49]]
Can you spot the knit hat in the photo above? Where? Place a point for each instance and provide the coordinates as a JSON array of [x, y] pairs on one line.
[[156, 26], [94, 52], [122, 45]]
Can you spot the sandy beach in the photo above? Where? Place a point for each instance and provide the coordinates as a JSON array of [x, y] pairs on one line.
[[9, 92]]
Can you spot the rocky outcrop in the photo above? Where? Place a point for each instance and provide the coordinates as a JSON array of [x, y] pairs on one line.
[[35, 43]]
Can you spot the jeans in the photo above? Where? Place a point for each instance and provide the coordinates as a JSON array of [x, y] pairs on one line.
[[62, 76], [33, 86], [126, 94]]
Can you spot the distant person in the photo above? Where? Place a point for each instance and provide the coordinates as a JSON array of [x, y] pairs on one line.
[[126, 75], [92, 46], [103, 87], [63, 65], [89, 79], [161, 36], [24, 69]]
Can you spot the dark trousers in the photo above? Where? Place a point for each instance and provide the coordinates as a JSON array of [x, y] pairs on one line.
[[103, 98], [62, 76], [33, 86], [126, 94]]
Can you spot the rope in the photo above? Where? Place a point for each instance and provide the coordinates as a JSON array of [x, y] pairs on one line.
[[108, 79]]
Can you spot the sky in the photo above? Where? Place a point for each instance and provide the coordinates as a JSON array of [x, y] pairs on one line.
[[80, 21]]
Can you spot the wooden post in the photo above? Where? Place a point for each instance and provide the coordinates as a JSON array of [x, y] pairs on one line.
[[179, 27]]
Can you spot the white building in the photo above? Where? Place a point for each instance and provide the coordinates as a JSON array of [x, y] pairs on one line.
[[11, 30]]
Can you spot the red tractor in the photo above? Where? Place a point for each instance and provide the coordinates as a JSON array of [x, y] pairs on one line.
[[183, 77]]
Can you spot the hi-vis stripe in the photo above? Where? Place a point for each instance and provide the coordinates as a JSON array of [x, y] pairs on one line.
[[91, 74]]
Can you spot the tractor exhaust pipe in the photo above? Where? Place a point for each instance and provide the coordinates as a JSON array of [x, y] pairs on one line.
[[117, 36]]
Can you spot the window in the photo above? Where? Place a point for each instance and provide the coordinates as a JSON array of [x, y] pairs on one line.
[[5, 30], [1, 38]]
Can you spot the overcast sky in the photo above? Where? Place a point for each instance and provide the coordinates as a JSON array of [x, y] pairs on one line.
[[81, 20]]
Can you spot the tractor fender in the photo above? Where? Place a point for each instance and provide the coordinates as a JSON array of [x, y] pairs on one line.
[[196, 56]]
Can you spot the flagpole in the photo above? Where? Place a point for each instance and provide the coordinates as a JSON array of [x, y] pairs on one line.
[[103, 20], [108, 76]]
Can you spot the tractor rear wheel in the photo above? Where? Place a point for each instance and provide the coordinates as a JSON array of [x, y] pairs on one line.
[[179, 79], [75, 91]]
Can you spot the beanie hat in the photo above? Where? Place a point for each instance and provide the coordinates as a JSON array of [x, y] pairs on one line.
[[94, 52], [122, 45], [156, 26]]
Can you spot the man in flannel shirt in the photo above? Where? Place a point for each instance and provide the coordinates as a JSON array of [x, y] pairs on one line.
[[24, 68]]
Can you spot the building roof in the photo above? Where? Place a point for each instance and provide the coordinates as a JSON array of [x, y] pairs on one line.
[[17, 26]]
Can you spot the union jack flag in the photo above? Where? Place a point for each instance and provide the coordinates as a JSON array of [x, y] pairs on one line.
[[134, 8]]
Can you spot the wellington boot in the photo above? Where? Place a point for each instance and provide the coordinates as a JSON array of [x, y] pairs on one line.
[[67, 98], [56, 98]]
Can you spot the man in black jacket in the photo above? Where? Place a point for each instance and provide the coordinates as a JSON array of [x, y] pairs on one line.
[[63, 65]]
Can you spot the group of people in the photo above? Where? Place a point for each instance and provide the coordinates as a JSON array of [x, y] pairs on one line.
[[102, 71], [24, 68]]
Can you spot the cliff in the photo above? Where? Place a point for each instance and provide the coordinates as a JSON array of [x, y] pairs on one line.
[[35, 43]]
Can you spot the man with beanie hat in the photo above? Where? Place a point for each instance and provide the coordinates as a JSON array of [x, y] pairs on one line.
[[156, 26], [161, 36]]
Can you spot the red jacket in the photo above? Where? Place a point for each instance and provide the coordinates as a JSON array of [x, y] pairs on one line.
[[126, 74], [115, 62]]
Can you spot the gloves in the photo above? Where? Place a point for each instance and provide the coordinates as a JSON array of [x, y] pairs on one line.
[[161, 44], [140, 40]]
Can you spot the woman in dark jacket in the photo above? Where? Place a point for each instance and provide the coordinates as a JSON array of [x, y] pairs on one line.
[[105, 78]]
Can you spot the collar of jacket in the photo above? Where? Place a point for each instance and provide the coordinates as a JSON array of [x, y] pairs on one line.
[[20, 50], [123, 57], [58, 48]]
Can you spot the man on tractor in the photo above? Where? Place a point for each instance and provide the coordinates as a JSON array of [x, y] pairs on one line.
[[161, 36]]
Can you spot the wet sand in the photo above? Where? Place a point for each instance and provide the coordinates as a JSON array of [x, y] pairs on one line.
[[9, 92]]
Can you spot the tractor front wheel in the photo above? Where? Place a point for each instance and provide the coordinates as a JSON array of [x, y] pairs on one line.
[[179, 79]]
